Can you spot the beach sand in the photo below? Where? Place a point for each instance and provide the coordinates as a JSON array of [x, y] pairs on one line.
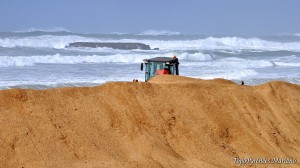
[[170, 121]]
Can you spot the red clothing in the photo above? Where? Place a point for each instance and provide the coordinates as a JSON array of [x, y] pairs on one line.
[[162, 71]]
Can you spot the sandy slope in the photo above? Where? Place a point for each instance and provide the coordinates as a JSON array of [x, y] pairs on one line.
[[169, 122]]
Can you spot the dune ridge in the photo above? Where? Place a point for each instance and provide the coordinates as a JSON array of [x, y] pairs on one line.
[[170, 121]]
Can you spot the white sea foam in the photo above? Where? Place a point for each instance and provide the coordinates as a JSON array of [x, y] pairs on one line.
[[62, 82], [195, 57], [242, 63], [231, 62], [45, 41], [29, 60], [53, 29], [7, 61], [119, 33], [292, 61], [158, 32], [210, 43], [224, 43], [236, 74], [58, 59], [287, 64]]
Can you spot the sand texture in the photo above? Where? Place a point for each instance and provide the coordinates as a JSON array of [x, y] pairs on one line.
[[170, 121]]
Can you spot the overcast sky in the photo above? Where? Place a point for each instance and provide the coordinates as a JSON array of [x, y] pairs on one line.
[[207, 17]]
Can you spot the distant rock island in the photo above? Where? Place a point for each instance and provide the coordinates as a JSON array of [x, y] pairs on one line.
[[122, 46]]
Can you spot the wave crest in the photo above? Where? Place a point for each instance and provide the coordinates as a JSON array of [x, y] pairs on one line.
[[209, 43], [53, 29], [6, 61], [158, 33]]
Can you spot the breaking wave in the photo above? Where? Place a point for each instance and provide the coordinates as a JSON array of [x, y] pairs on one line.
[[159, 32], [46, 41], [210, 43], [226, 43], [59, 59], [289, 61], [7, 61], [188, 59], [54, 29]]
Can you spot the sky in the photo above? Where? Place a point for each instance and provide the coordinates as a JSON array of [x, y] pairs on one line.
[[204, 17]]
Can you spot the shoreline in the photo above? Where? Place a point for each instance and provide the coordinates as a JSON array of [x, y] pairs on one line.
[[87, 84]]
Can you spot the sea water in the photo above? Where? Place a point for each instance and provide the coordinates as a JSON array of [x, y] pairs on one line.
[[40, 60]]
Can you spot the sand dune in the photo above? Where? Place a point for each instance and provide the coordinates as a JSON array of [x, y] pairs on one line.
[[170, 121]]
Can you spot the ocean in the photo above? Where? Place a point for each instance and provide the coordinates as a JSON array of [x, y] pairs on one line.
[[41, 60]]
